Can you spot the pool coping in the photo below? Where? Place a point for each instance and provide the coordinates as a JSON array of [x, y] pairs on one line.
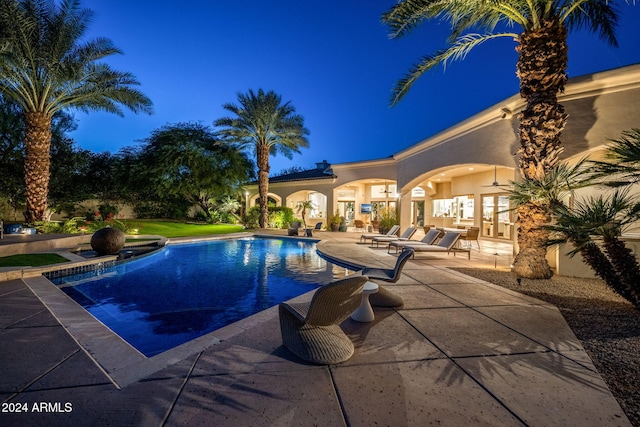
[[122, 363]]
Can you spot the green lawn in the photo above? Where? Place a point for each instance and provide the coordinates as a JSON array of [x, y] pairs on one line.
[[33, 260], [161, 228], [181, 229]]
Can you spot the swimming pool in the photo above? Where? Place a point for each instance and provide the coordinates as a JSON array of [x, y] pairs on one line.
[[187, 290]]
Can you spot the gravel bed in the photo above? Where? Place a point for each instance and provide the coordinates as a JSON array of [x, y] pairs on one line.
[[607, 325]]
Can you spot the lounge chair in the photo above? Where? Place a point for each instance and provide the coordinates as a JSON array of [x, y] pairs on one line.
[[428, 239], [294, 228], [391, 232], [406, 235], [311, 330], [444, 245], [385, 298]]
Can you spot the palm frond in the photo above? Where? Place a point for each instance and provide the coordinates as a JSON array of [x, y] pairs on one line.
[[457, 51], [623, 165], [553, 187], [407, 15], [598, 16]]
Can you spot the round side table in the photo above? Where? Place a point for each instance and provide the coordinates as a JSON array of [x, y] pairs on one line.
[[364, 313]]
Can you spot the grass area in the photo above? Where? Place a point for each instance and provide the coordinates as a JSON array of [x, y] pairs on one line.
[[161, 228], [31, 260], [180, 229]]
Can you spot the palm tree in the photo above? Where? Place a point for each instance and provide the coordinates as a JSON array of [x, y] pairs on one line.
[[262, 122], [541, 68], [605, 218], [302, 208], [45, 68], [574, 226]]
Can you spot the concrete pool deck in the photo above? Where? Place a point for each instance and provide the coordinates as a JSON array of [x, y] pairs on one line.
[[459, 352]]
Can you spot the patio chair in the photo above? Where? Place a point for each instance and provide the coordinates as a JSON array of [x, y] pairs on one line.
[[428, 239], [391, 232], [358, 224], [445, 244], [384, 297], [406, 235], [294, 228], [471, 235], [318, 226], [311, 330]]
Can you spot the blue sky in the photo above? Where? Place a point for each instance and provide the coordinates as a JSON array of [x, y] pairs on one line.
[[332, 60]]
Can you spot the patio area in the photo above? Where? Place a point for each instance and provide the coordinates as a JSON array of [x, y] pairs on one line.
[[460, 351]]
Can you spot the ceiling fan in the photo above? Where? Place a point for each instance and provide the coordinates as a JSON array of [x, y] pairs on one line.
[[495, 182], [384, 190]]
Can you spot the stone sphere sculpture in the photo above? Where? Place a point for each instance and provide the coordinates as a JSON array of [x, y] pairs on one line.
[[108, 241]]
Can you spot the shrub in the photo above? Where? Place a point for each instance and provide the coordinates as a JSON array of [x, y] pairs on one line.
[[279, 217], [388, 219], [108, 210], [251, 219], [74, 225]]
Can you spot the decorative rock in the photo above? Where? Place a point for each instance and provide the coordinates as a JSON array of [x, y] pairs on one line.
[[107, 241]]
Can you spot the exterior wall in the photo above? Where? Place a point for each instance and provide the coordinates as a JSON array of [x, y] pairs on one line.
[[600, 106]]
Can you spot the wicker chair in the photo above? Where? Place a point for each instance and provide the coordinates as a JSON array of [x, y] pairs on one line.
[[294, 228], [471, 235], [311, 330]]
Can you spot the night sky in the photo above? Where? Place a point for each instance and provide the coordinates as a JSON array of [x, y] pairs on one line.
[[332, 60]]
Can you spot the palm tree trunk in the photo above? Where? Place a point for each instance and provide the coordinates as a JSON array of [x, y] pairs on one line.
[[36, 164], [262, 151], [626, 266], [600, 264], [542, 65], [531, 261]]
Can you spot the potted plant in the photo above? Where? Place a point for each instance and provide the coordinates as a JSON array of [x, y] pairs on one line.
[[388, 219], [333, 222]]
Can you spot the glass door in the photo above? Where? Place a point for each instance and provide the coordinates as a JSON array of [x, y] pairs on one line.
[[488, 212], [347, 210], [496, 217]]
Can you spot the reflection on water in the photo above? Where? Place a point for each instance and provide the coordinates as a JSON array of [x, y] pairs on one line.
[[185, 291]]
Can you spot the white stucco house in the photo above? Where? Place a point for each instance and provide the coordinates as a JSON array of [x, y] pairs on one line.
[[455, 177]]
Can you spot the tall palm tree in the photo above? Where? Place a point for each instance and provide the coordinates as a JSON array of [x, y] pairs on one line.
[[541, 68], [263, 123], [46, 68]]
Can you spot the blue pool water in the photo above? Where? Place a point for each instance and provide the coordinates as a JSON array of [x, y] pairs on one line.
[[184, 291]]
